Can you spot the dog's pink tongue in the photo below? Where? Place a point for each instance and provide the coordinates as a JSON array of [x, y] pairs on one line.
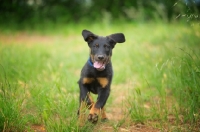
[[98, 64]]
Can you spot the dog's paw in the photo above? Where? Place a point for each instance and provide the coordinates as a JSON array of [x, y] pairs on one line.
[[93, 118]]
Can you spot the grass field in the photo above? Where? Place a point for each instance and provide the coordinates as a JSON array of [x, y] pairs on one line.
[[156, 84]]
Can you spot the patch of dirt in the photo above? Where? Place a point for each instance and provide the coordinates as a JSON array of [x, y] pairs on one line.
[[38, 128], [131, 128], [29, 39]]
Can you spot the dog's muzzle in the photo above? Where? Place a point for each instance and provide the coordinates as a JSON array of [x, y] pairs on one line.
[[100, 62], [100, 66]]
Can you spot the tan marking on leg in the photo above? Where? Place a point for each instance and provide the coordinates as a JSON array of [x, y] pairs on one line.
[[94, 110], [92, 102], [87, 80], [94, 114], [100, 112], [103, 113], [90, 98], [103, 81]]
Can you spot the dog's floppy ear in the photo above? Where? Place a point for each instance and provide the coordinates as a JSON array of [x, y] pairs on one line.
[[88, 36], [116, 38]]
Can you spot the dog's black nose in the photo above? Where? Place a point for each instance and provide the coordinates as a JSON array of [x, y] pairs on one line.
[[100, 57]]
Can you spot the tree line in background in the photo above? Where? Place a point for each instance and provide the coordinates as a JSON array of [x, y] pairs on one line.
[[38, 11]]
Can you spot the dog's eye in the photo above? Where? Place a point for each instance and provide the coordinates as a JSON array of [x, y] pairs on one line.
[[106, 46], [96, 45]]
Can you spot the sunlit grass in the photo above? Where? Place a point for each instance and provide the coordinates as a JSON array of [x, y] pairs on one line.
[[156, 70]]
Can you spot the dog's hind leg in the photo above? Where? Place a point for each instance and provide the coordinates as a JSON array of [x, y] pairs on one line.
[[103, 115], [90, 102], [85, 103]]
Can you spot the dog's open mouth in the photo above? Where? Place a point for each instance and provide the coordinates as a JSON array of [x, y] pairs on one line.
[[99, 65]]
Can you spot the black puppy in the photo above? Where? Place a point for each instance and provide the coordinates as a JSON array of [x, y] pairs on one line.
[[97, 73]]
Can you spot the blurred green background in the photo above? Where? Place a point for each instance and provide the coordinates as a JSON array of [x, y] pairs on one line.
[[43, 12]]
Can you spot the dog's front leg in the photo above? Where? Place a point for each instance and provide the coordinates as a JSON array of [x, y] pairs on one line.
[[98, 107], [85, 102], [85, 98]]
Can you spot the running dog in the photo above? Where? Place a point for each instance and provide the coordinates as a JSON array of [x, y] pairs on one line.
[[96, 74]]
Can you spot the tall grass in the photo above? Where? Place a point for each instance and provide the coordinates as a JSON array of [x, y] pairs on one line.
[[187, 84], [38, 89], [171, 86], [11, 106], [33, 91], [183, 82]]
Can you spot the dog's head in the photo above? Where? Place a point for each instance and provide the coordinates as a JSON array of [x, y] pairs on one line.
[[101, 47]]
